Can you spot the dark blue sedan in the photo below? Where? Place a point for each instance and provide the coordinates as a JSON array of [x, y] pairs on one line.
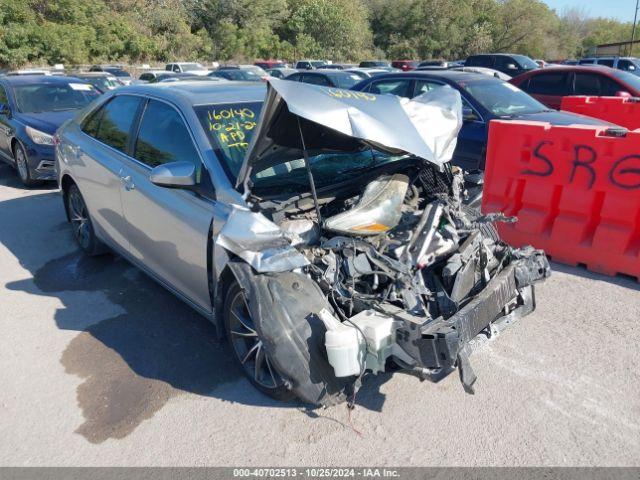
[[484, 98], [31, 110]]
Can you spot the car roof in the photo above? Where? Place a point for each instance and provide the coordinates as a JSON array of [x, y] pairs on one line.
[[202, 93], [573, 68], [452, 75], [39, 80]]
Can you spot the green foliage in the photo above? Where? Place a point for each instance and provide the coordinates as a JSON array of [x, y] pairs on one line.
[[87, 31]]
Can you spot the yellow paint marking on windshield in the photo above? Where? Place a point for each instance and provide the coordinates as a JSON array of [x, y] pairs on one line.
[[230, 126], [338, 93]]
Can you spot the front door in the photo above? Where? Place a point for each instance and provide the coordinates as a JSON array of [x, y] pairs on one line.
[[168, 228]]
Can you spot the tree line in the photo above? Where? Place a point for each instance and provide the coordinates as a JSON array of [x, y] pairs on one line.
[[89, 31]]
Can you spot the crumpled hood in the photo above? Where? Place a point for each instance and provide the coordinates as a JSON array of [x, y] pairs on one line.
[[47, 122], [333, 119]]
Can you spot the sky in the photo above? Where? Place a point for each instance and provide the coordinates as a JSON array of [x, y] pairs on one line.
[[619, 9]]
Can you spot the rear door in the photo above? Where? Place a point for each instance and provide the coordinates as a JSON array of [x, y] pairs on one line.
[[168, 229], [101, 156], [548, 88]]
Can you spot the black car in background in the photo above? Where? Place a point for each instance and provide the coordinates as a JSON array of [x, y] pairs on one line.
[[374, 64], [511, 64], [122, 75], [327, 78]]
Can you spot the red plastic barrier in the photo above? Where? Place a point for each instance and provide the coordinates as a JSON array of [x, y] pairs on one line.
[[576, 192], [621, 111]]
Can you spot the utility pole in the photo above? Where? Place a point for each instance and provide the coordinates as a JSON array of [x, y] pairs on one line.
[[633, 31]]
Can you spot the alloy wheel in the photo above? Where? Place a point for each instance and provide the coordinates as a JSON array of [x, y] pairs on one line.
[[79, 218], [248, 346], [21, 162]]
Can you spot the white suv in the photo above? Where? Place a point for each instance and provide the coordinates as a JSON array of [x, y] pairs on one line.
[[193, 68]]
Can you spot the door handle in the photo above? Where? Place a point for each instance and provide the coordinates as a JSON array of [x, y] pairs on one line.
[[127, 183]]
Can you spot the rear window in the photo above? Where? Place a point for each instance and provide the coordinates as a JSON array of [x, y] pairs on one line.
[[229, 128]]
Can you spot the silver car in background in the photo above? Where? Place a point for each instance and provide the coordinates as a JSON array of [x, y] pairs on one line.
[[321, 230]]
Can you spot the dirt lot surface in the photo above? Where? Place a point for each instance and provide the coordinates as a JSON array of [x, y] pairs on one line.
[[101, 366]]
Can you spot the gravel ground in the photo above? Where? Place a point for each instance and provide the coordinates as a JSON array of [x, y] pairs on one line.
[[101, 366]]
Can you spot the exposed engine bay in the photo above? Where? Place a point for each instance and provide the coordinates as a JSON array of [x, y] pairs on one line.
[[401, 264], [379, 263]]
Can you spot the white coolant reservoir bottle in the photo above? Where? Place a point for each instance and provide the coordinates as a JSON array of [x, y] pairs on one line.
[[346, 348]]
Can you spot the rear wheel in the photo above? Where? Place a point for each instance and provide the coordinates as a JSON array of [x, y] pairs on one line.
[[81, 223], [22, 165], [248, 347]]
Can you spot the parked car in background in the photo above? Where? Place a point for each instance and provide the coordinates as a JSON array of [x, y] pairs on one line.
[[374, 64], [192, 68], [268, 64], [102, 81], [405, 65], [435, 63], [149, 75], [541, 63], [280, 72], [330, 66], [511, 64], [245, 73], [29, 71], [551, 84], [484, 71], [185, 77], [367, 72], [484, 98], [309, 64], [628, 64], [31, 110], [326, 78], [122, 75]]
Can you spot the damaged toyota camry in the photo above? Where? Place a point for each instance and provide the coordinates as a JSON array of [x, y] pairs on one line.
[[323, 231]]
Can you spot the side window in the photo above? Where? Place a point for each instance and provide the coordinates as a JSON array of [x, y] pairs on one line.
[[609, 87], [295, 77], [92, 123], [626, 65], [315, 80], [479, 61], [146, 76], [547, 84], [116, 120], [607, 62], [401, 88], [587, 84], [164, 138], [424, 86], [176, 68], [3, 96], [169, 67]]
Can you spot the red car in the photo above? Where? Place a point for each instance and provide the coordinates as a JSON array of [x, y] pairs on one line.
[[405, 65], [549, 85]]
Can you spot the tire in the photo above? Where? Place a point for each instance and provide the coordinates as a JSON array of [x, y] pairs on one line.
[[22, 167], [80, 219], [247, 347]]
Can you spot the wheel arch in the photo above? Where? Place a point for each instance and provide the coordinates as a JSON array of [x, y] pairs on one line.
[[65, 184]]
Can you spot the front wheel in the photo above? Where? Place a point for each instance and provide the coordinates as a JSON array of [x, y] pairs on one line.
[[22, 165], [248, 348], [81, 222]]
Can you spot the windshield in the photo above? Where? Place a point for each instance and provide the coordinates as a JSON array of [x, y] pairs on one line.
[[229, 128], [501, 98], [53, 97], [241, 75], [192, 67], [102, 83], [117, 72], [316, 64], [345, 80], [631, 79], [525, 62]]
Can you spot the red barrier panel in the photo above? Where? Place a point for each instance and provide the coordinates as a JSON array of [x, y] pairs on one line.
[[576, 192], [621, 111]]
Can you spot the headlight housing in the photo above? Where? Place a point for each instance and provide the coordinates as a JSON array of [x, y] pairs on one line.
[[39, 137]]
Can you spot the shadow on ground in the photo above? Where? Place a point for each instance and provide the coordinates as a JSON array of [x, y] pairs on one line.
[[149, 349]]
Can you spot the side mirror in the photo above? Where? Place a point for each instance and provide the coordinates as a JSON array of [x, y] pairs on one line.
[[174, 175], [468, 115], [512, 66], [5, 110], [623, 94]]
